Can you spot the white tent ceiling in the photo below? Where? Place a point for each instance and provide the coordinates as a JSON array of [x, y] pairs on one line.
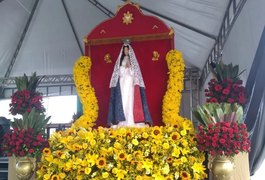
[[50, 48]]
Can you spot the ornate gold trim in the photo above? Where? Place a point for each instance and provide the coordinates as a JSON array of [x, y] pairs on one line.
[[127, 18], [156, 56], [85, 40], [113, 40], [171, 32]]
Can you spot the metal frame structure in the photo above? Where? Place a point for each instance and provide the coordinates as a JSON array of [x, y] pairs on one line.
[[232, 12], [52, 85]]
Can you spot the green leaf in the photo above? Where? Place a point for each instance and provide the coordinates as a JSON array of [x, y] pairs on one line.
[[198, 117]]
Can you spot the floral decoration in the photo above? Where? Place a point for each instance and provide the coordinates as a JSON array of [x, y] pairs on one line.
[[222, 130], [124, 153], [25, 142], [172, 98], [26, 97], [23, 101], [86, 93], [226, 86], [27, 137], [223, 138], [81, 152]]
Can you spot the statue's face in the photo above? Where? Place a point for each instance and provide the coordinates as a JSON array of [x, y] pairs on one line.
[[126, 51]]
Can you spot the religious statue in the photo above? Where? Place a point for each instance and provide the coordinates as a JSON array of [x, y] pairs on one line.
[[128, 105]]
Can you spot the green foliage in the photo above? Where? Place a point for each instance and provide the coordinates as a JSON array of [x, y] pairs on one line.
[[26, 83], [214, 112], [226, 71], [33, 120]]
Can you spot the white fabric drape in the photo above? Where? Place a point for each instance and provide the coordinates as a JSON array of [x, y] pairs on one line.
[[127, 95]]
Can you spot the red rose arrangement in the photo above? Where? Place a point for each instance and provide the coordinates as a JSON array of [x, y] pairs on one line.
[[23, 101], [226, 90], [24, 142], [27, 136], [223, 138], [222, 130]]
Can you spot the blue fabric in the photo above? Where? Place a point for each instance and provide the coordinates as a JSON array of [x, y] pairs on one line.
[[116, 113]]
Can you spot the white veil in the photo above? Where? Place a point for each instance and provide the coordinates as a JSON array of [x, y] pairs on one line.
[[138, 79]]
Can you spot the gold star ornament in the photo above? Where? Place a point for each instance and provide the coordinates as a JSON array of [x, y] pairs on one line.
[[127, 18]]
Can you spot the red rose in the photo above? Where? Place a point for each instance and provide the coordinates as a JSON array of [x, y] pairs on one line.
[[213, 100], [31, 150], [222, 141], [230, 100], [226, 91], [218, 87]]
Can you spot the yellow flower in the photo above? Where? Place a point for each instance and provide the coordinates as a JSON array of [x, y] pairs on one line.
[[135, 142], [93, 142], [172, 97], [138, 154], [183, 132], [105, 175], [114, 170], [147, 164], [197, 167], [145, 135], [184, 175], [121, 156], [84, 145], [101, 162], [46, 151], [175, 136], [88, 170], [176, 152], [156, 133], [46, 176], [183, 159], [62, 175], [166, 146], [165, 169], [120, 174], [85, 92], [117, 145]]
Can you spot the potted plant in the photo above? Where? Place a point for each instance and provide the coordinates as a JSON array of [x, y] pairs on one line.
[[27, 138], [222, 132]]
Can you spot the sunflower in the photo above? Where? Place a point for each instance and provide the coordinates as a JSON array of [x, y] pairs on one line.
[[46, 151], [156, 133], [175, 136], [59, 153], [43, 168], [121, 156], [184, 175], [101, 162], [55, 177]]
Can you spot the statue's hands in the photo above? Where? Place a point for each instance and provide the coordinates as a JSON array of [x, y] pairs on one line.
[[128, 65]]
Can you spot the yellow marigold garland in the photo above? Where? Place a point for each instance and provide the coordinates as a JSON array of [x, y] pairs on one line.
[[86, 93], [172, 98]]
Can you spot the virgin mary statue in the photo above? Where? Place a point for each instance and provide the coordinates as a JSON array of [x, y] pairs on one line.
[[128, 105]]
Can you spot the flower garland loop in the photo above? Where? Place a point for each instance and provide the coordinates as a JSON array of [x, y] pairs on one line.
[[86, 93], [172, 98]]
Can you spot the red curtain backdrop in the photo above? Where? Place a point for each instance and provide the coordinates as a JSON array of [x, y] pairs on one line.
[[154, 74], [106, 38]]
